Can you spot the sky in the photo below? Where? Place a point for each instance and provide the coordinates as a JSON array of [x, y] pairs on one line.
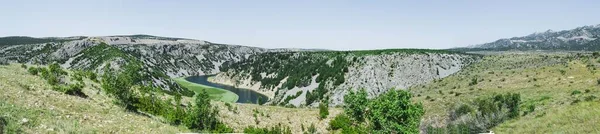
[[322, 24]]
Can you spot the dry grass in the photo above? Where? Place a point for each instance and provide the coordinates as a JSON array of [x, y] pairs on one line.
[[242, 115], [28, 97], [538, 77]]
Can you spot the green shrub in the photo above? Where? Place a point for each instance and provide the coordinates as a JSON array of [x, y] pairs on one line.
[[463, 109], [575, 92], [92, 76], [71, 89], [355, 104], [203, 116], [23, 66], [32, 70], [340, 121], [323, 110], [393, 112]]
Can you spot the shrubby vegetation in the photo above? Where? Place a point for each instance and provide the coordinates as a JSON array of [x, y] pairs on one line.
[[323, 110], [391, 112], [273, 130], [482, 114], [122, 84], [55, 76]]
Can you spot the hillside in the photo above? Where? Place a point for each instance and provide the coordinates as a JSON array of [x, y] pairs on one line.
[[303, 78], [578, 39], [556, 91], [161, 58], [29, 105]]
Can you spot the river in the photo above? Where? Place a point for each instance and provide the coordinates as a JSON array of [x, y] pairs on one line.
[[245, 95]]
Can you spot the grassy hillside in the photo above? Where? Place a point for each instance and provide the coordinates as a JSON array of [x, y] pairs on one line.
[[29, 105], [551, 86]]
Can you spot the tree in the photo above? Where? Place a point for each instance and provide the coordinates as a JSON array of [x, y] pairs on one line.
[[355, 104], [203, 116], [323, 110], [393, 112]]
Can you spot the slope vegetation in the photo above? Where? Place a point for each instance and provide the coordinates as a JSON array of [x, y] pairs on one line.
[[551, 86]]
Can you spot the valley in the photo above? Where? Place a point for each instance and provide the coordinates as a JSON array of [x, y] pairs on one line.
[[152, 84]]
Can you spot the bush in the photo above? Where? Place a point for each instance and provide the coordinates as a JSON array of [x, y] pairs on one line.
[[32, 70], [71, 89], [340, 122], [463, 109], [323, 110], [575, 92], [488, 112], [92, 76], [23, 66], [355, 104], [393, 112], [203, 116]]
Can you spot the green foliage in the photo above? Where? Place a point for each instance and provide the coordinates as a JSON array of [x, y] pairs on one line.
[[393, 112], [92, 76], [489, 112], [71, 89], [575, 92], [355, 104], [203, 116], [119, 86], [278, 129], [291, 97], [464, 109], [323, 110], [33, 70], [340, 121], [23, 66]]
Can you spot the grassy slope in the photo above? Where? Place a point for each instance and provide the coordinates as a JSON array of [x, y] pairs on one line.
[[540, 82], [240, 116], [215, 93], [28, 97]]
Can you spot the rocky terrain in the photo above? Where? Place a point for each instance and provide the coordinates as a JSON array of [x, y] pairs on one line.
[[163, 58], [582, 38], [290, 78]]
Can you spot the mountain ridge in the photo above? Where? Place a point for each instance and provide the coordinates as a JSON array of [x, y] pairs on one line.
[[576, 39]]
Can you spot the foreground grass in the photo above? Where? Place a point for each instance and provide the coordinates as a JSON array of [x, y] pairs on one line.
[[30, 105], [551, 86], [582, 118], [239, 116], [214, 93]]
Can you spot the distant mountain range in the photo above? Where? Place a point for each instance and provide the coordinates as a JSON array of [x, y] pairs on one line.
[[578, 39]]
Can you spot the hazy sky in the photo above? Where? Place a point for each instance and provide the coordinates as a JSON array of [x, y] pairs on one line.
[[328, 24]]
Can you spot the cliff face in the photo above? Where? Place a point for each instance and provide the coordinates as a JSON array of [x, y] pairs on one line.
[[376, 73]]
